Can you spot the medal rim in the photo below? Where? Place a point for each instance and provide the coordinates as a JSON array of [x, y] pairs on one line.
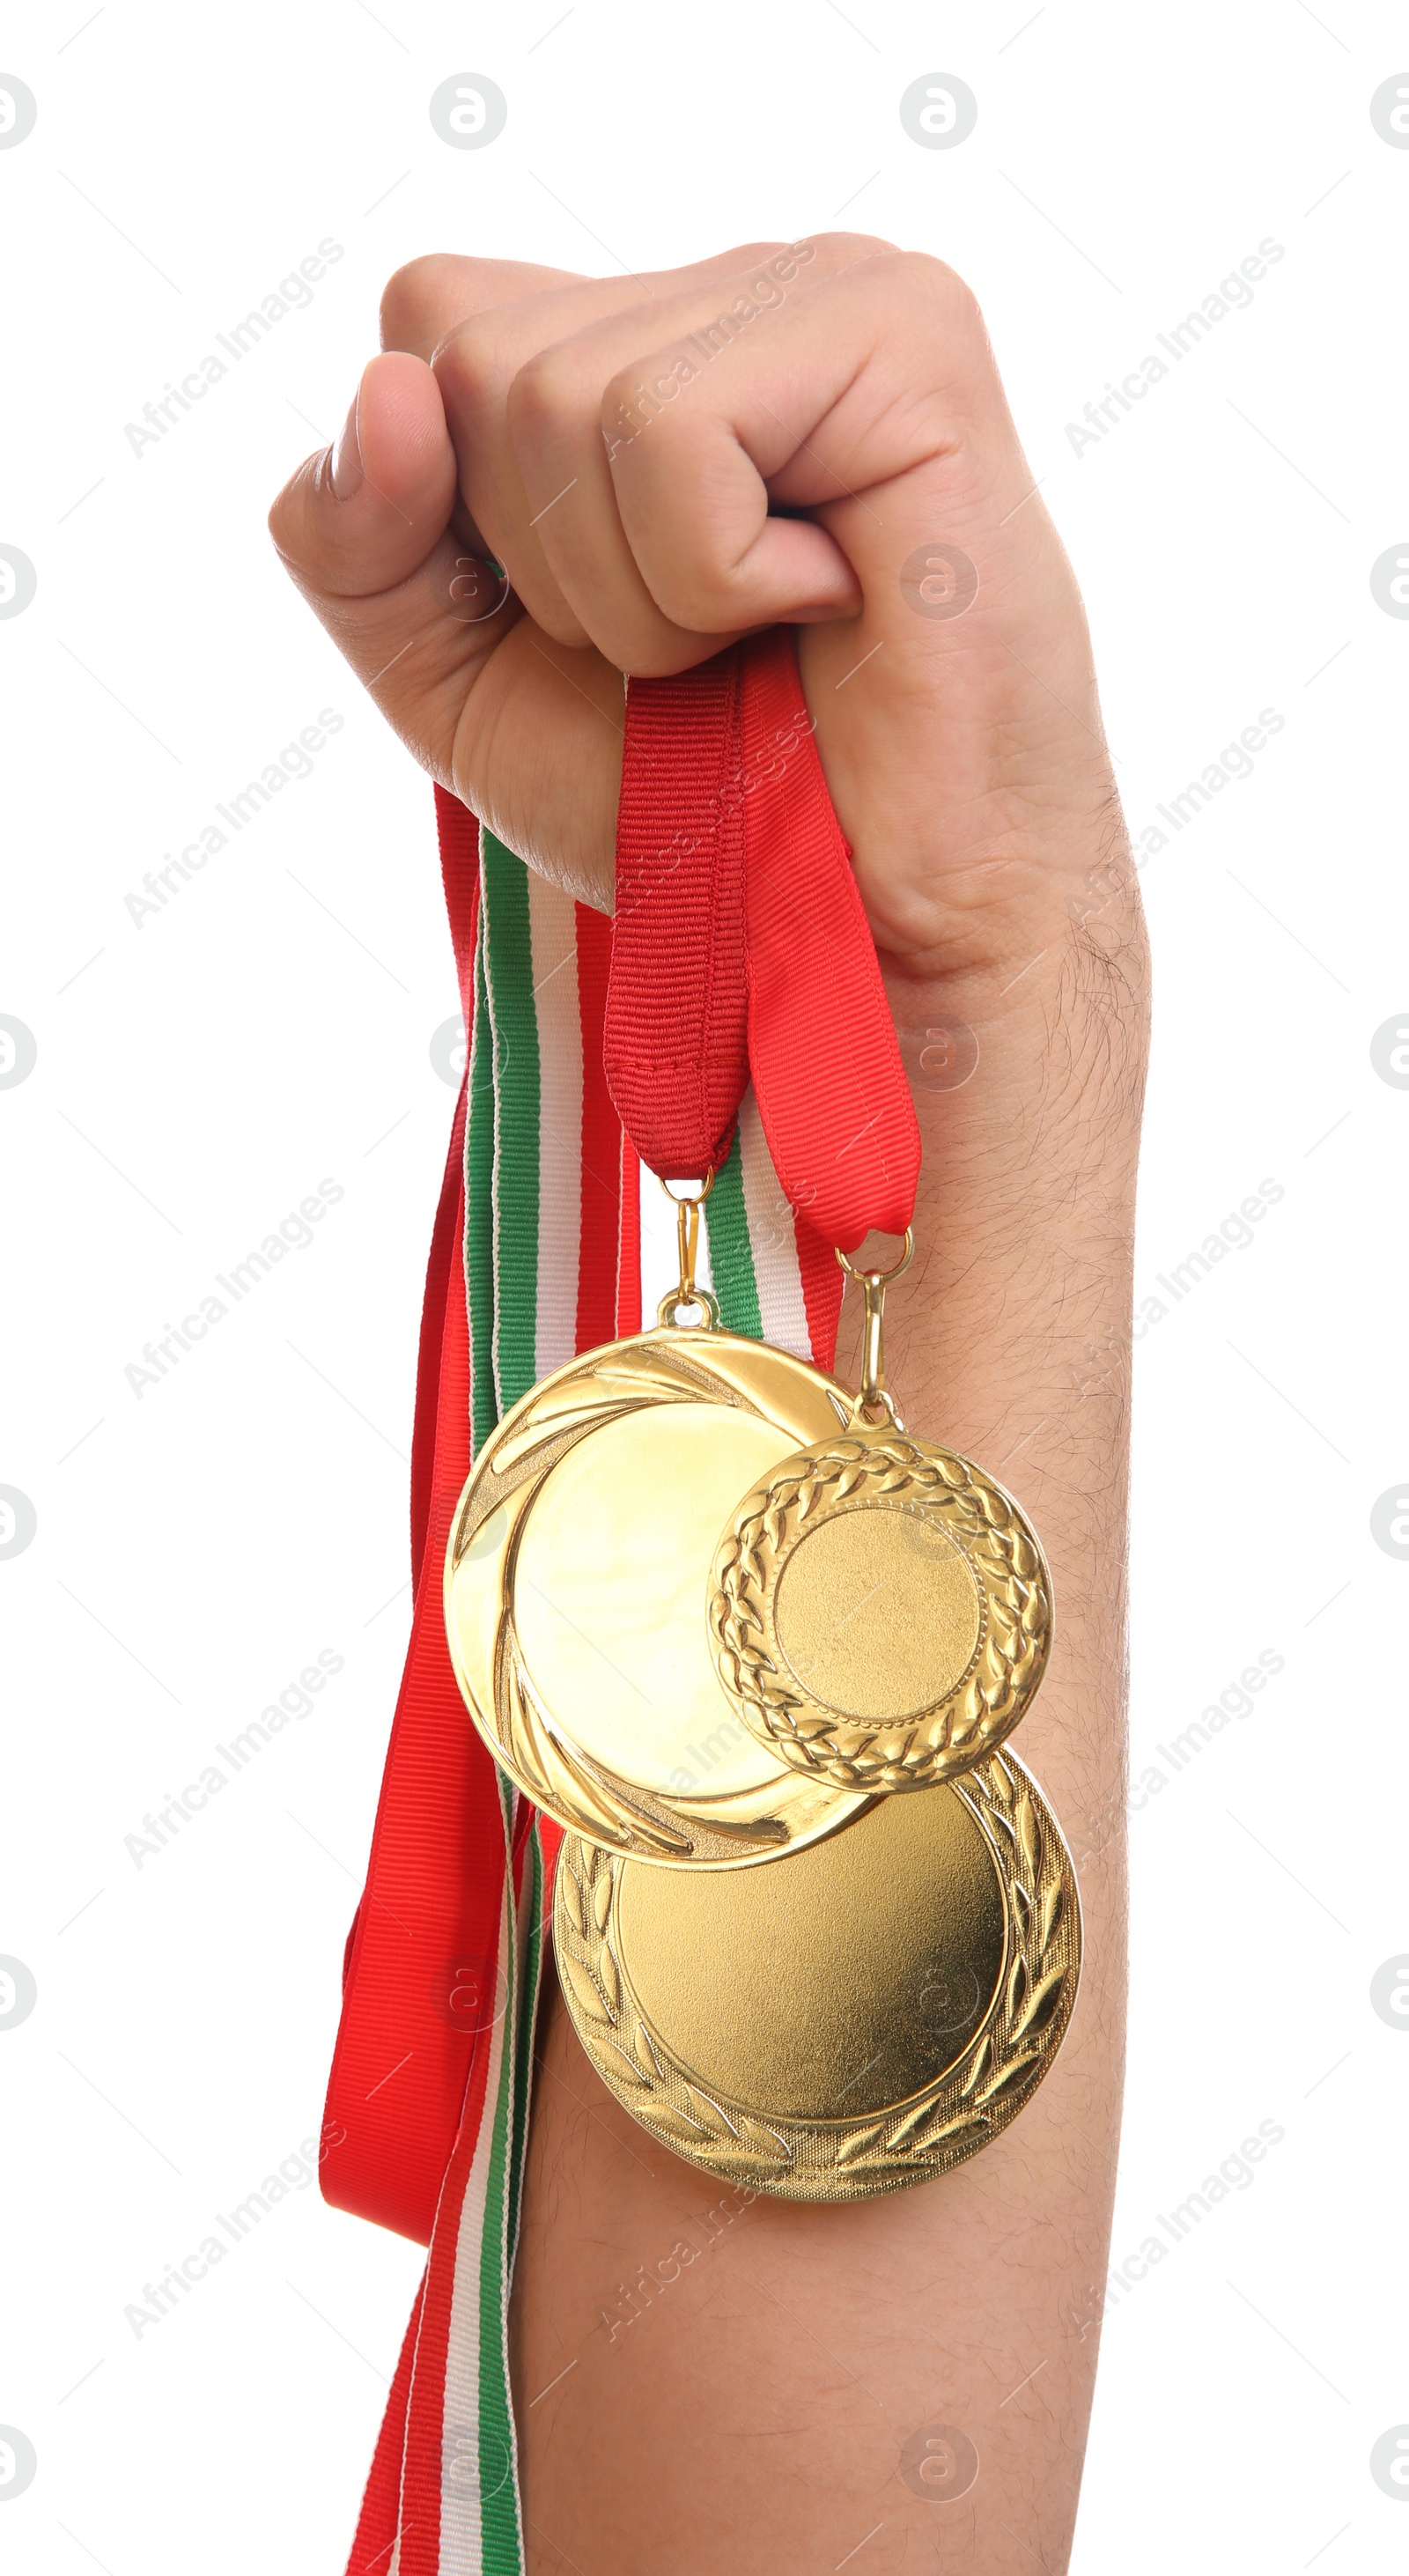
[[759, 1534], [931, 2132], [584, 1795]]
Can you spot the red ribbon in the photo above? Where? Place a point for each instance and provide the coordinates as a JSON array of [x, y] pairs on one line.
[[428, 1922], [676, 1036], [740, 946]]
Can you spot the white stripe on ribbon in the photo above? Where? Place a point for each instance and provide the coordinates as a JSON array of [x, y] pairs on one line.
[[461, 2532], [772, 1239]]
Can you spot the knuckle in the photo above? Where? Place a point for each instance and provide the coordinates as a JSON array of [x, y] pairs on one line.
[[432, 297], [617, 394], [751, 254], [922, 282], [421, 299], [544, 394], [699, 596], [843, 248], [471, 366], [941, 293], [638, 392]]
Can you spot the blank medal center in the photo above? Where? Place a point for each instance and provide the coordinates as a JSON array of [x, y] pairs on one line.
[[834, 1983], [878, 1613], [610, 1591]]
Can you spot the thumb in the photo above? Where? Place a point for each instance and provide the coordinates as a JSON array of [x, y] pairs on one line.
[[364, 529]]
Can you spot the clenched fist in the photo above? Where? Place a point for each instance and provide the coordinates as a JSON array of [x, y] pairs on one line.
[[813, 434]]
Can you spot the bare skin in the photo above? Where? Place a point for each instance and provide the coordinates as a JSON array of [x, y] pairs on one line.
[[748, 2407]]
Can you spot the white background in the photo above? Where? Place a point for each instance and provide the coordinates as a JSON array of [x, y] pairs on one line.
[[198, 1075]]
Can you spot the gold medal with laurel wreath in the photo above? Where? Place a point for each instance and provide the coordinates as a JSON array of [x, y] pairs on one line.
[[860, 2019], [880, 1610]]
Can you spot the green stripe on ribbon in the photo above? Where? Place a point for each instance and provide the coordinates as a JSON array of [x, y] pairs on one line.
[[731, 1267], [531, 1903], [514, 1015], [501, 2551], [501, 1270]]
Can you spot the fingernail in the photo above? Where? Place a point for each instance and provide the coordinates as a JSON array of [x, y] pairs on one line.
[[347, 456]]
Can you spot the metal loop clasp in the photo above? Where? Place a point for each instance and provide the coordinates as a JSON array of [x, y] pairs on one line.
[[874, 1403], [687, 1233]]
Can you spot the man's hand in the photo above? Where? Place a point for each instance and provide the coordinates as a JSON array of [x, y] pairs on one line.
[[815, 436], [812, 434]]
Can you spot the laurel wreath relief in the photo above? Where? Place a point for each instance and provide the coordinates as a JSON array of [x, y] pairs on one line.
[[843, 2160], [985, 1704]]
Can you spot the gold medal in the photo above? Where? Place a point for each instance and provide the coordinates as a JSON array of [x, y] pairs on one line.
[[860, 2018], [869, 2010], [880, 1609], [576, 1579]]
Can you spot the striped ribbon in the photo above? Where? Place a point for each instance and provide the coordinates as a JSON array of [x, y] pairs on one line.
[[550, 1210]]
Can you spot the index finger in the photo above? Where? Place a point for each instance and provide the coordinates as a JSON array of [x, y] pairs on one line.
[[428, 299]]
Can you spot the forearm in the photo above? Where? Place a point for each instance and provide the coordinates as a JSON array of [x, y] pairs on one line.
[[813, 2343], [1010, 1339]]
